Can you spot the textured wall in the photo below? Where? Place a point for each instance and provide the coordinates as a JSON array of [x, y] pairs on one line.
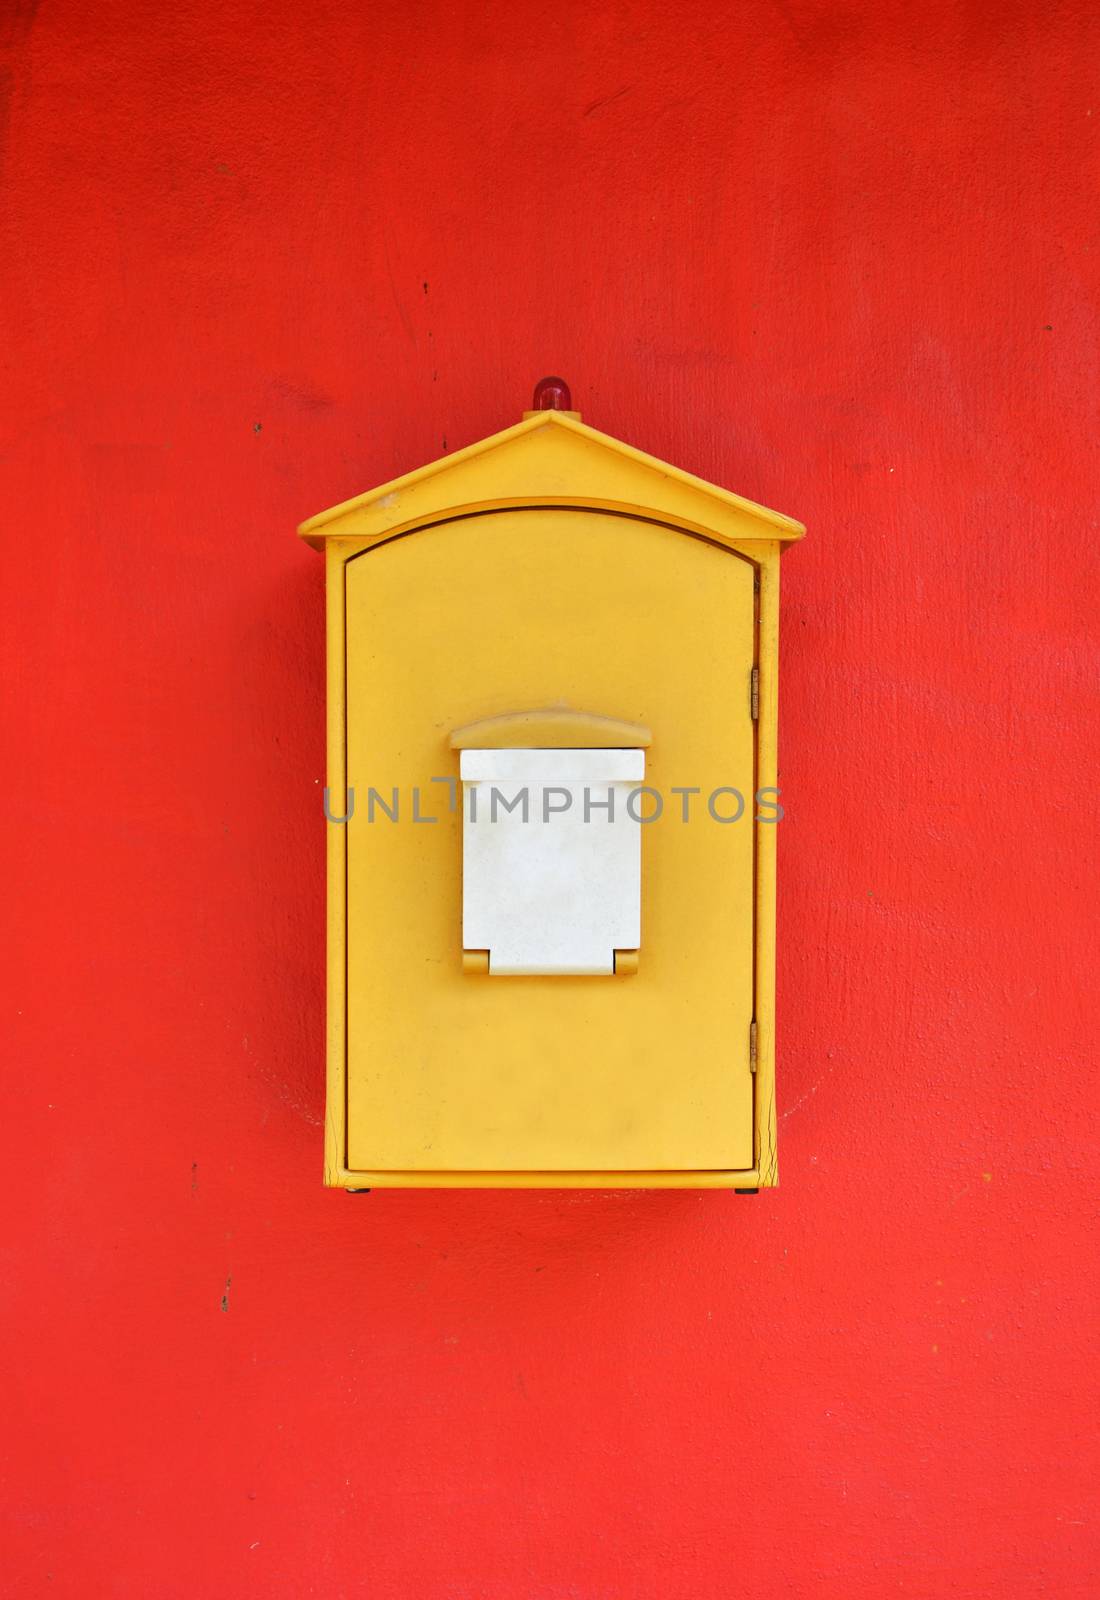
[[256, 258]]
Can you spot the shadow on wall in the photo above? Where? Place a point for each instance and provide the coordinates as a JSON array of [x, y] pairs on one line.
[[277, 704]]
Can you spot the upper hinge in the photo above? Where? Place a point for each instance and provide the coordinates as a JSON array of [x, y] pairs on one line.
[[752, 1046], [754, 693]]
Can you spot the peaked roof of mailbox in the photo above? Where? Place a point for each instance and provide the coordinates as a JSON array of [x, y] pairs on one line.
[[549, 459]]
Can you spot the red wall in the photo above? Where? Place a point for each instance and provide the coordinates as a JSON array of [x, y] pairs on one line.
[[258, 258]]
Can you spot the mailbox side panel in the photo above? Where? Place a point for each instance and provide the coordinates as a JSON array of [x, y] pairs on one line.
[[335, 1172], [766, 840]]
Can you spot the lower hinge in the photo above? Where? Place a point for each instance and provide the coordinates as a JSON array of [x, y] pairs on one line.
[[752, 1046], [754, 693]]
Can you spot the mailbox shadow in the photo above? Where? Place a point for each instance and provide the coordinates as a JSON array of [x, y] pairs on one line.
[[279, 704]]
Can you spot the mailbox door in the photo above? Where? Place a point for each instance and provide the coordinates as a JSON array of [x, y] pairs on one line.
[[453, 1072]]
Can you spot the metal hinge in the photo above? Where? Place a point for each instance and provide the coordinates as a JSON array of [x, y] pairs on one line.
[[752, 1046], [754, 693]]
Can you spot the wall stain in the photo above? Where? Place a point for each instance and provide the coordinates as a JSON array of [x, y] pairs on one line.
[[607, 100]]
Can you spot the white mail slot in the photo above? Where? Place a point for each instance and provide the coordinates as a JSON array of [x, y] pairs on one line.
[[551, 858]]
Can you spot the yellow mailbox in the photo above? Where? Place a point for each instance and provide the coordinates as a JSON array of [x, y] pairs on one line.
[[552, 672]]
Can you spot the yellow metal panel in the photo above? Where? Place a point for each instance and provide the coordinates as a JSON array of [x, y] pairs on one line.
[[451, 1078], [764, 1153], [335, 1015]]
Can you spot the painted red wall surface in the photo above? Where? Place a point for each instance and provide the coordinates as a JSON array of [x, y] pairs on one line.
[[260, 257]]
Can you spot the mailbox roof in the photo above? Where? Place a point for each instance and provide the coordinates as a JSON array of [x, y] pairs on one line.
[[549, 459]]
